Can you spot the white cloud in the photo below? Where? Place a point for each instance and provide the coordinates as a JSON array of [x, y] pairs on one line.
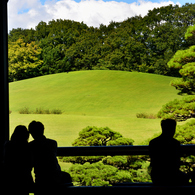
[[91, 12]]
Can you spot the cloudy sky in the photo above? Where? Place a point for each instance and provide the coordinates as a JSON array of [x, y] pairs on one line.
[[28, 13]]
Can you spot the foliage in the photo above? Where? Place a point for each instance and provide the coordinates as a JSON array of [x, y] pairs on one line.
[[103, 170], [146, 115], [93, 136], [184, 61], [23, 60], [179, 110], [105, 173], [143, 44], [120, 141], [185, 134], [98, 174], [26, 110], [107, 170]]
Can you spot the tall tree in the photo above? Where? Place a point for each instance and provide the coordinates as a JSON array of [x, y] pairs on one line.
[[106, 170], [23, 59], [184, 61]]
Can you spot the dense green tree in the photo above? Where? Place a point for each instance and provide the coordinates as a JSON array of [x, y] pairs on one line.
[[179, 110], [23, 60], [94, 136], [98, 174], [106, 170], [27, 35], [85, 52], [184, 61]]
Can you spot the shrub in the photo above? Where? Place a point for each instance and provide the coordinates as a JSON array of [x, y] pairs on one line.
[[120, 141], [146, 115], [179, 110], [106, 170], [98, 174], [56, 111], [94, 136], [24, 110], [40, 110]]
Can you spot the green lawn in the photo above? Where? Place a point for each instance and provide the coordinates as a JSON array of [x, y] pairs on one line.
[[99, 98]]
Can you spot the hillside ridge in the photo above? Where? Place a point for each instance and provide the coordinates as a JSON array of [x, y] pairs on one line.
[[94, 93]]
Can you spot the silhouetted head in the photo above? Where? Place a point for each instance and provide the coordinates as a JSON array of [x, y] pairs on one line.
[[36, 129], [20, 134], [168, 127]]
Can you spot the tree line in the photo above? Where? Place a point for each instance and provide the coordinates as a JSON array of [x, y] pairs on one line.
[[144, 44]]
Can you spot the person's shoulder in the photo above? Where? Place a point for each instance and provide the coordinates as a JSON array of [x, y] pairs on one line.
[[176, 141], [51, 141], [155, 140]]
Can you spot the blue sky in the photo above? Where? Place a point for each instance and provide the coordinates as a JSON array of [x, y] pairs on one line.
[[28, 13]]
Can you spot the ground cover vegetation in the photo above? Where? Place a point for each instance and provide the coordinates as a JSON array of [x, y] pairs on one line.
[[143, 44]]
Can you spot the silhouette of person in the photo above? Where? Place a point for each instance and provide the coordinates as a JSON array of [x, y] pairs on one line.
[[164, 152], [43, 150], [17, 162]]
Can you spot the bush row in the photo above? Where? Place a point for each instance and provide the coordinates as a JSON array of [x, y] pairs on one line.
[[146, 115], [26, 110]]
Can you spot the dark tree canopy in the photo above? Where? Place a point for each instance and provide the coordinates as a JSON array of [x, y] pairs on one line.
[[142, 44]]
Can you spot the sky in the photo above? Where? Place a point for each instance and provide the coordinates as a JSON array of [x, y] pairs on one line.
[[28, 13]]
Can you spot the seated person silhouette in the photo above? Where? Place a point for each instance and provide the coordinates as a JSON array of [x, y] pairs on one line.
[[43, 150], [164, 152], [17, 162]]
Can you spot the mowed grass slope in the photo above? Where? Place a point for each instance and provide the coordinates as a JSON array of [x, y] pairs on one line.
[[100, 98]]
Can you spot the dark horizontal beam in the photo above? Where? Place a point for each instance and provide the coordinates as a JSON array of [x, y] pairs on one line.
[[114, 150], [102, 150], [127, 189]]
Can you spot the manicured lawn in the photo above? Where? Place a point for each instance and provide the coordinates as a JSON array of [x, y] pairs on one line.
[[92, 98], [65, 128]]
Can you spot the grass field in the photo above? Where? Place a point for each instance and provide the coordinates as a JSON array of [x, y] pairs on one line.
[[99, 98]]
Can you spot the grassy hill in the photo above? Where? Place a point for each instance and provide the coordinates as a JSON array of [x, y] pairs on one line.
[[100, 98]]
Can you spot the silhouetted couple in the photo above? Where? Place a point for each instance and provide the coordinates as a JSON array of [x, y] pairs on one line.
[[165, 157], [40, 154]]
